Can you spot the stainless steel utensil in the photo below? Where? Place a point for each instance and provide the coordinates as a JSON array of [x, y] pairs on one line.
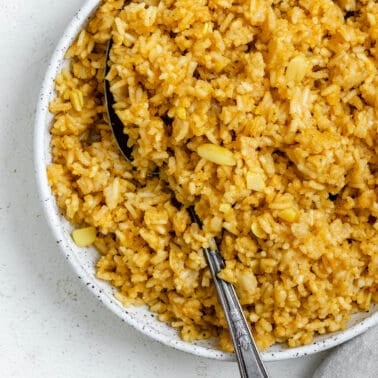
[[248, 356]]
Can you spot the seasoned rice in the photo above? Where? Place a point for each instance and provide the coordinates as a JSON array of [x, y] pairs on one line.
[[264, 114]]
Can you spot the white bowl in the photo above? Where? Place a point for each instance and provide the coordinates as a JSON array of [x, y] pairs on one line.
[[83, 260]]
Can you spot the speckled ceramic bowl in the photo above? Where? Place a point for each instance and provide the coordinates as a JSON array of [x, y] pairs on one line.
[[83, 260]]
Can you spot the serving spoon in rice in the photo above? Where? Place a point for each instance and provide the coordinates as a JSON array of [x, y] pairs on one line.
[[247, 354]]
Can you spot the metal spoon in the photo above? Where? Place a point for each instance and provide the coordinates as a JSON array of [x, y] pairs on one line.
[[247, 354]]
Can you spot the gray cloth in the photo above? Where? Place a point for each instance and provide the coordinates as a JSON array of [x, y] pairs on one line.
[[357, 358]]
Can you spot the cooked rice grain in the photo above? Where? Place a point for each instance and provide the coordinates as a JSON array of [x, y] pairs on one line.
[[264, 114]]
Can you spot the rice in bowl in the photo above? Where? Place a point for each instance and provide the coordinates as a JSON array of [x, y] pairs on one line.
[[264, 116]]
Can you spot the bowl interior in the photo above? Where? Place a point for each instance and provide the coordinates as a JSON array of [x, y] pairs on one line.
[[83, 259]]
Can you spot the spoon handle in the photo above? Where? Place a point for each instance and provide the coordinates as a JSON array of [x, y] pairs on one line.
[[248, 356]]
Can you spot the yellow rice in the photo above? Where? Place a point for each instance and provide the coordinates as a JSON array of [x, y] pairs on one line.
[[264, 114]]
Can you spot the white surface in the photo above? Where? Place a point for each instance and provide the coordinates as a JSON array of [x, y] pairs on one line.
[[50, 325]]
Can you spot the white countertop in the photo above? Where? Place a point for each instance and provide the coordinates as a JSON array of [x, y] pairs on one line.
[[50, 324]]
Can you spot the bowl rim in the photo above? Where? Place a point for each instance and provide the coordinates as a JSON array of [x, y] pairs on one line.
[[53, 219]]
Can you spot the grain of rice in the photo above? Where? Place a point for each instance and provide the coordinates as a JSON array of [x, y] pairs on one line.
[[285, 94]]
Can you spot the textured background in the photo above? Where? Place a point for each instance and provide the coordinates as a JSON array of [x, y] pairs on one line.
[[50, 324]]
